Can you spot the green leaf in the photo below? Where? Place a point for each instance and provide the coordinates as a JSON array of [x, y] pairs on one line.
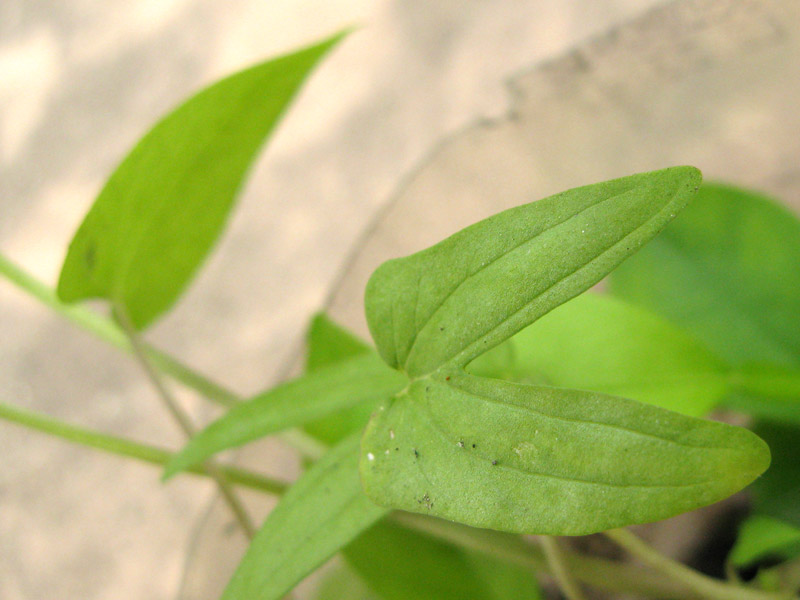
[[505, 580], [400, 564], [530, 459], [164, 207], [361, 379], [341, 583], [329, 343], [450, 303], [767, 392], [777, 492], [726, 270], [322, 512], [603, 344], [762, 537]]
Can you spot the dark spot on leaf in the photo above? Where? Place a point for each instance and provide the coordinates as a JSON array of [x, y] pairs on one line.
[[494, 462], [441, 328], [474, 445], [416, 453], [447, 378], [90, 255]]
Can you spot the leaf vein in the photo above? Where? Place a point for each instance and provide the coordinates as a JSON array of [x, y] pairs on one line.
[[437, 428], [497, 258]]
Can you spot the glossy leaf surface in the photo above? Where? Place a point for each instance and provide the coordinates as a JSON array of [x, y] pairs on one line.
[[322, 512], [165, 205], [363, 378], [603, 344], [727, 271], [400, 564], [531, 459], [444, 306]]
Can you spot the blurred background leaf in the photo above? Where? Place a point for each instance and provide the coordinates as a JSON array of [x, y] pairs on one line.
[[163, 208]]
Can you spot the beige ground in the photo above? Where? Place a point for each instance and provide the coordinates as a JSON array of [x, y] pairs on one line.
[[80, 84]]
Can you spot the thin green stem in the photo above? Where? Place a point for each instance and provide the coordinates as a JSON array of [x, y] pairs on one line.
[[555, 558], [129, 448], [183, 421], [705, 587], [106, 330], [597, 572], [109, 332], [687, 584]]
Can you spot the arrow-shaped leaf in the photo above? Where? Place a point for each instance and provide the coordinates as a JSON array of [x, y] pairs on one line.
[[165, 205], [448, 304], [530, 459]]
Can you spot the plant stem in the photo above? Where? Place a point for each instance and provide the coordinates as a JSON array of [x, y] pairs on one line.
[[705, 587], [555, 558], [593, 571], [129, 448], [680, 581], [183, 421], [106, 330]]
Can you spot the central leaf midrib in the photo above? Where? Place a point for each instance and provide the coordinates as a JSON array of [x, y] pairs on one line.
[[245, 98], [519, 407], [435, 426], [497, 258], [454, 360]]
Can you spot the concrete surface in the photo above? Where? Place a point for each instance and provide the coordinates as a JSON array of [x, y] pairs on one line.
[[81, 81]]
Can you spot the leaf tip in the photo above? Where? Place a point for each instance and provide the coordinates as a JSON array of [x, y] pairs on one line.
[[761, 456], [690, 177], [172, 468], [751, 459]]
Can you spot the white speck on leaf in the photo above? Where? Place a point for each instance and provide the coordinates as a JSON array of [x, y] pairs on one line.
[[370, 456]]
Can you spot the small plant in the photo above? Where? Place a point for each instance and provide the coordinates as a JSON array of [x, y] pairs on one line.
[[499, 399]]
